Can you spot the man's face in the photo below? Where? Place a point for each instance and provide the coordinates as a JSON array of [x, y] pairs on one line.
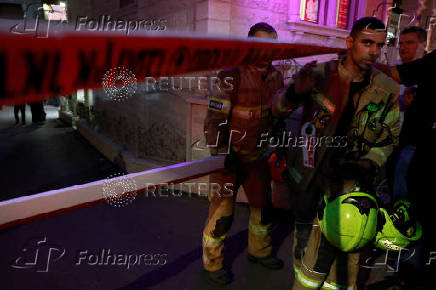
[[264, 34], [410, 47], [365, 48]]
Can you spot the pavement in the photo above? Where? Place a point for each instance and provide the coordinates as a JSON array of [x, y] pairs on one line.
[[152, 243], [59, 252]]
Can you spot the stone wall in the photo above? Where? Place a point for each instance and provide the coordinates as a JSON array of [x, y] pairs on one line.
[[244, 13], [150, 127], [165, 125]]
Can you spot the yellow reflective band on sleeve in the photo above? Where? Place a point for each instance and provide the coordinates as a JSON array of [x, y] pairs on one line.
[[392, 116], [323, 101], [250, 112], [259, 230], [335, 286], [389, 118], [379, 152], [306, 281], [219, 105], [295, 175], [212, 242]]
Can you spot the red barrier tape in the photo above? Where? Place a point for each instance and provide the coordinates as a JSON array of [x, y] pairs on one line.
[[39, 68]]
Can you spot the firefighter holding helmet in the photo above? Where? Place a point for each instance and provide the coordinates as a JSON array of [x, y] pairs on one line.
[[351, 122]]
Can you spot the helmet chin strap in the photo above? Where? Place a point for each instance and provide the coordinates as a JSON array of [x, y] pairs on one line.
[[355, 187]]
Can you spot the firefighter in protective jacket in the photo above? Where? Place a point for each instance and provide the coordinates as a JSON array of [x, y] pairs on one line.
[[235, 120], [349, 127]]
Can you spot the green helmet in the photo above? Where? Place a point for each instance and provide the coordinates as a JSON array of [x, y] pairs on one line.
[[397, 229], [349, 221]]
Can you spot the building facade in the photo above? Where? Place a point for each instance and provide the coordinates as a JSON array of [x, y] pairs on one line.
[[160, 127]]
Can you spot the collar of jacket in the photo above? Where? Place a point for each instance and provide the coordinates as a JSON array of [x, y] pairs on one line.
[[349, 75], [376, 83]]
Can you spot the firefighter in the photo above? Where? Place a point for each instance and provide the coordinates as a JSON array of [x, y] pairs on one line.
[[234, 123], [350, 123]]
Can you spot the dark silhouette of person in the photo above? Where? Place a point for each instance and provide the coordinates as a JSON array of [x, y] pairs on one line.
[[22, 109]]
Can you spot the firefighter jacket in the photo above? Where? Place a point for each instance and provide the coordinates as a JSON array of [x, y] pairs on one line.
[[239, 113], [372, 131]]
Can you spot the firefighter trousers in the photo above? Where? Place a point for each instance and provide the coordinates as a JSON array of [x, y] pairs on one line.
[[319, 265], [254, 177]]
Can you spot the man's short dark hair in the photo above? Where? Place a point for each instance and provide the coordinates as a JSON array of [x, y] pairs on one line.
[[366, 23], [421, 33], [261, 26]]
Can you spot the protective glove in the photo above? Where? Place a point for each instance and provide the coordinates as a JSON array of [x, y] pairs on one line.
[[278, 166]]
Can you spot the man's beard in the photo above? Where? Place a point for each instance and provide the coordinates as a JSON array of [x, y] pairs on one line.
[[366, 66]]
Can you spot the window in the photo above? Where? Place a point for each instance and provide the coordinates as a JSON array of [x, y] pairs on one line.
[[331, 13], [309, 10], [342, 13]]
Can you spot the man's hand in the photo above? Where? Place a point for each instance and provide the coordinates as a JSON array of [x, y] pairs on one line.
[[304, 79]]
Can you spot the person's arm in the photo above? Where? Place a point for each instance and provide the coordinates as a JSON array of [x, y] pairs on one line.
[[410, 73], [287, 100], [216, 127]]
